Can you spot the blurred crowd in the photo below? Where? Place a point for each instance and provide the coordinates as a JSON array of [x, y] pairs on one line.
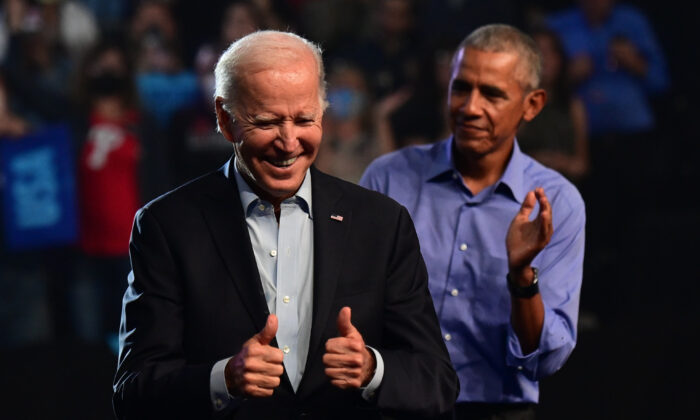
[[126, 88]]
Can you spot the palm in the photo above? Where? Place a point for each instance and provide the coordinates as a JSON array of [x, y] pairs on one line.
[[527, 238]]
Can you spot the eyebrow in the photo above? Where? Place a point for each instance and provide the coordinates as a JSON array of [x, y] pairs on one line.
[[265, 118], [487, 89], [271, 118]]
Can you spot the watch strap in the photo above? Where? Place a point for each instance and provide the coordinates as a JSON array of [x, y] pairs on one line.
[[524, 292]]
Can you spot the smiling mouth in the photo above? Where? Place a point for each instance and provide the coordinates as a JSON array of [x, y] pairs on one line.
[[283, 163]]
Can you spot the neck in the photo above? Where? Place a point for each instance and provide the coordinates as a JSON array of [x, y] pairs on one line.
[[482, 171]]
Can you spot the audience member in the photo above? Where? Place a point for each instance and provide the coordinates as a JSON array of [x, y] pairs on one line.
[[163, 82], [118, 171], [349, 144], [558, 137], [194, 143]]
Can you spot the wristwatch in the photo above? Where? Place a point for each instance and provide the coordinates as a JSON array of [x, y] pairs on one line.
[[524, 292]]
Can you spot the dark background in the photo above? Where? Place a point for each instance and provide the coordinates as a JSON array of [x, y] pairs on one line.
[[638, 360]]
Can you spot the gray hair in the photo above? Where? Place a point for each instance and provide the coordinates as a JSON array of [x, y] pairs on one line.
[[254, 49], [506, 38]]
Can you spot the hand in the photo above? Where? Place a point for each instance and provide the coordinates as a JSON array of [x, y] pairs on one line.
[[348, 362], [580, 68], [255, 371], [626, 55], [527, 238]]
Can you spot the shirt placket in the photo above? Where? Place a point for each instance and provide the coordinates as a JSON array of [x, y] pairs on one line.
[[287, 297]]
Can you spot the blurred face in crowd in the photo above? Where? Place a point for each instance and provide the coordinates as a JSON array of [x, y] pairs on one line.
[[238, 22], [551, 58], [276, 130], [596, 11], [396, 16], [487, 101]]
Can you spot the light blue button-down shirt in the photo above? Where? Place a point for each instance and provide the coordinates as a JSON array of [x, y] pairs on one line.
[[462, 239], [284, 253], [284, 257]]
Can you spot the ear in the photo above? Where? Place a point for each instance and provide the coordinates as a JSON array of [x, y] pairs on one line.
[[534, 102], [224, 119]]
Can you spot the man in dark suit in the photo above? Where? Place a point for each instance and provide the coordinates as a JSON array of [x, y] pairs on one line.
[[268, 289]]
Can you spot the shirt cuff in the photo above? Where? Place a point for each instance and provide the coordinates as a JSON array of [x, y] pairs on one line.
[[369, 391], [220, 398]]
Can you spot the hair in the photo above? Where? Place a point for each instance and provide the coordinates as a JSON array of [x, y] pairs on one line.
[[561, 89], [262, 49], [506, 38]]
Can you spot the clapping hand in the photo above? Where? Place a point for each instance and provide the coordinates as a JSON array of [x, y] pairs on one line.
[[527, 238]]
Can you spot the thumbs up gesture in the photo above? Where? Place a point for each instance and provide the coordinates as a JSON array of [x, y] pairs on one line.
[[255, 371], [348, 362]]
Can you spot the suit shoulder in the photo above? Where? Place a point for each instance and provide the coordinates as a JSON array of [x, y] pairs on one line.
[[366, 198], [185, 195]]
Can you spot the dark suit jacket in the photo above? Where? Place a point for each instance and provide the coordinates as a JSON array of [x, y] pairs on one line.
[[195, 297]]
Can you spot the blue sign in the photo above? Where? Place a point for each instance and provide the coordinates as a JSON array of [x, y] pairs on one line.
[[38, 189]]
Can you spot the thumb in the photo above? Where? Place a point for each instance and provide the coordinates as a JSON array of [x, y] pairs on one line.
[[268, 333], [345, 327]]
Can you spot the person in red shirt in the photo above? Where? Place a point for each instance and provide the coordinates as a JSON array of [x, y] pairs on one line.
[[110, 163]]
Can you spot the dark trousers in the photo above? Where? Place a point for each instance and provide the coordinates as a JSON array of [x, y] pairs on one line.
[[483, 411]]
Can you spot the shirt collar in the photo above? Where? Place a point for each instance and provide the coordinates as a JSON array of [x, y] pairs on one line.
[[512, 177], [249, 197], [442, 163]]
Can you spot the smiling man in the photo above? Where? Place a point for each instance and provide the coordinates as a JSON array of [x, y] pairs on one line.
[[269, 290], [505, 264]]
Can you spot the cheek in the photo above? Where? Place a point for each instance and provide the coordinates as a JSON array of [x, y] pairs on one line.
[[311, 139], [255, 143]]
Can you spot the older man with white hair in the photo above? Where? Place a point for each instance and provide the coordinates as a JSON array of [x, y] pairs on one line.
[[268, 289]]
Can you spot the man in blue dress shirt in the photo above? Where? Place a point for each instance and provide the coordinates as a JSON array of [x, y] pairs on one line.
[[502, 235], [269, 290]]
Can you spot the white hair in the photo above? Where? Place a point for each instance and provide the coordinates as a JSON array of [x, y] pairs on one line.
[[262, 49]]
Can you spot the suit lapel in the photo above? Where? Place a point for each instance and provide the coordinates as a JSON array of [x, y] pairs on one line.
[[330, 232], [223, 213]]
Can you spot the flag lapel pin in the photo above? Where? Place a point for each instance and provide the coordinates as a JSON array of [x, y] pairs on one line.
[[337, 217]]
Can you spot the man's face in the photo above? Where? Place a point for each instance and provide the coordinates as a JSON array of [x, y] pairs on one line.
[[486, 102], [277, 128]]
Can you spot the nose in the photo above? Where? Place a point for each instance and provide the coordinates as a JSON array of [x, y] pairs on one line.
[[288, 139], [471, 106]]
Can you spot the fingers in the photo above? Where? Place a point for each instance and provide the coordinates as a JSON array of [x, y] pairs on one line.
[[345, 364], [345, 378], [545, 213], [269, 331], [345, 327], [259, 385], [256, 369], [527, 206]]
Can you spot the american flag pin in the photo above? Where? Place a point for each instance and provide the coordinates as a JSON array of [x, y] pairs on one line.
[[337, 217]]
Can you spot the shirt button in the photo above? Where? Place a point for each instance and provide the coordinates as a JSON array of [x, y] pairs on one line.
[[273, 253], [520, 368], [454, 292], [285, 299], [448, 337], [285, 349], [463, 247]]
